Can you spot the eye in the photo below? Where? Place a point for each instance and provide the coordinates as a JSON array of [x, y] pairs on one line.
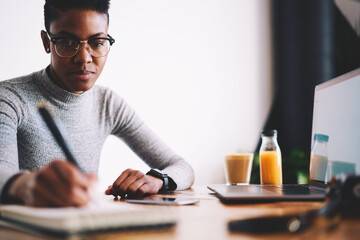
[[97, 43], [65, 42]]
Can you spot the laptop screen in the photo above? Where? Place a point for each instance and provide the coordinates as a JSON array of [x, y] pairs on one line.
[[336, 128]]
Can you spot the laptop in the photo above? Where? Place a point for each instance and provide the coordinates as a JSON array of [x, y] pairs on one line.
[[337, 115]]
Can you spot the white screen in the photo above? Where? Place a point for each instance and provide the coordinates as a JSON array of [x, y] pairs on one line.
[[337, 114]]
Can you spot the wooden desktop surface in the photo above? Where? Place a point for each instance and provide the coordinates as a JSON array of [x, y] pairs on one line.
[[208, 220]]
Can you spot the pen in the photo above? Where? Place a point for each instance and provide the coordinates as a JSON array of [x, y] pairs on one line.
[[56, 133]]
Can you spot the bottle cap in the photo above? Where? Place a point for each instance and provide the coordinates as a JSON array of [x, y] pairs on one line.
[[321, 137], [269, 132]]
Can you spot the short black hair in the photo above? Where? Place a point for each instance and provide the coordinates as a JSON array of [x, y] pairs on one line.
[[54, 8]]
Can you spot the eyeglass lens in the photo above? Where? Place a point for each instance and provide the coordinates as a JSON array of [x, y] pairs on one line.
[[69, 47]]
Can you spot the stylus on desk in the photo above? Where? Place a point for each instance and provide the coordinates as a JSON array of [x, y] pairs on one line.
[[56, 133], [272, 224]]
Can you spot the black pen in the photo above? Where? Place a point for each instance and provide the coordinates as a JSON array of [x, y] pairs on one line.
[[56, 133]]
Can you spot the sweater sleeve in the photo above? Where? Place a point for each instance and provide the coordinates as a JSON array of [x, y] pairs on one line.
[[9, 120], [155, 153]]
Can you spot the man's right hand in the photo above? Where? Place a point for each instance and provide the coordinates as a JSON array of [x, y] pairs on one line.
[[58, 184]]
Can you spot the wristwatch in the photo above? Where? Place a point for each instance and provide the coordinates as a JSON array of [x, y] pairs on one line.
[[169, 184]]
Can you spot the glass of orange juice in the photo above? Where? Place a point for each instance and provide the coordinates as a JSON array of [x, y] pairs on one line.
[[270, 158]]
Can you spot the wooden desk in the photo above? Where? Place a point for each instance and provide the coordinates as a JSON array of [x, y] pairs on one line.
[[209, 218]]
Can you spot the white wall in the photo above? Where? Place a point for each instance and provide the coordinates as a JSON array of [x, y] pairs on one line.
[[197, 71]]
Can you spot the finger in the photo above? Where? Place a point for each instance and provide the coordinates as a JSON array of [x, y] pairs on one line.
[[134, 188], [112, 191], [70, 174], [44, 197], [108, 191], [49, 187], [133, 177], [52, 186], [122, 177], [61, 195], [115, 190], [79, 197]]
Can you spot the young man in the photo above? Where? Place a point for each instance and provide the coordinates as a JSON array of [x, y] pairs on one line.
[[77, 38]]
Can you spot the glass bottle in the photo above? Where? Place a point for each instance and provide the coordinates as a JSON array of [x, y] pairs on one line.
[[319, 157], [270, 158]]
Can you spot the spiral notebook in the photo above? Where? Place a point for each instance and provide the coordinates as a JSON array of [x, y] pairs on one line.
[[105, 215]]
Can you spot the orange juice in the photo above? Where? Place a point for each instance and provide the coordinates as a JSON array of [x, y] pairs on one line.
[[270, 167]]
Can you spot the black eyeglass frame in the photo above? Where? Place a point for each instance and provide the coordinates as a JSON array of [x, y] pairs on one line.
[[55, 39]]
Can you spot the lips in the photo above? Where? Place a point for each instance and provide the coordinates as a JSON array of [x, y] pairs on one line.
[[82, 74]]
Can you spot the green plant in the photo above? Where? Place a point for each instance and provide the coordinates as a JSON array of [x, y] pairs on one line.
[[295, 168]]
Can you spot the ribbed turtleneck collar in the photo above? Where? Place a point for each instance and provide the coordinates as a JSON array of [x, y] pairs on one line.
[[55, 92]]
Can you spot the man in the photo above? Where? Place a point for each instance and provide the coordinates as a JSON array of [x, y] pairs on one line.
[[77, 38]]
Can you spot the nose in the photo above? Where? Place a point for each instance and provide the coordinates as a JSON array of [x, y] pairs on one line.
[[83, 55]]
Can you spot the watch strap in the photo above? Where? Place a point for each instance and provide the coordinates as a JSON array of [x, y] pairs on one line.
[[168, 183]]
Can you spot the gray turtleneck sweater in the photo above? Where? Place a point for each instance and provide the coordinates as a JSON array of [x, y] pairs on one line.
[[86, 119]]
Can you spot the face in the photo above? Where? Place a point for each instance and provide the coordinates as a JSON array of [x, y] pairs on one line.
[[80, 72]]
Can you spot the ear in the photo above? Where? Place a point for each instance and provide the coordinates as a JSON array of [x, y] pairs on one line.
[[46, 41]]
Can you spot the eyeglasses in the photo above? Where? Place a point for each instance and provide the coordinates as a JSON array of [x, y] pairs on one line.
[[69, 47]]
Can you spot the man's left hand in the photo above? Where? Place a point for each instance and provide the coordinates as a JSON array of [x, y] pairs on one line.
[[134, 184]]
